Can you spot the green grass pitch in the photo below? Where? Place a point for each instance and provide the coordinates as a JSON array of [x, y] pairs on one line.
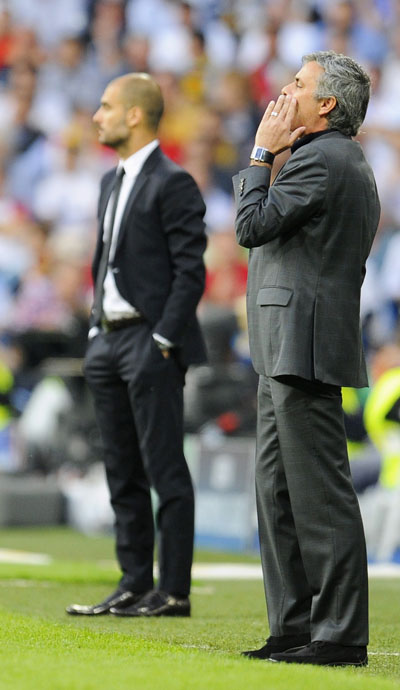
[[44, 649]]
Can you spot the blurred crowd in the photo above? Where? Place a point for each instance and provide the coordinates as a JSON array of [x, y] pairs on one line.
[[218, 62]]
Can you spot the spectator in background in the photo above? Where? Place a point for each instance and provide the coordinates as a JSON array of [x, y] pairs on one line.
[[70, 178], [104, 51], [24, 145], [359, 28], [181, 118], [227, 271], [200, 160], [382, 413], [67, 81], [7, 39], [51, 21], [231, 99], [136, 53]]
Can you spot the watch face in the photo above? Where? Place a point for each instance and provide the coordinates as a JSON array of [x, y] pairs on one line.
[[262, 155]]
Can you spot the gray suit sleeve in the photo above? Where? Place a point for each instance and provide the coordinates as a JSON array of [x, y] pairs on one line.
[[264, 212]]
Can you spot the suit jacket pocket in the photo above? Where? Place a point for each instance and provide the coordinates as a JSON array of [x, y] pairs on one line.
[[279, 296]]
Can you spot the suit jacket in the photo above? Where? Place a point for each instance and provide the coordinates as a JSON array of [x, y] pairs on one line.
[[158, 263], [309, 235]]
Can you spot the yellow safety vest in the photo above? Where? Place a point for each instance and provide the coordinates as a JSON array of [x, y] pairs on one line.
[[384, 433], [352, 402], [6, 384]]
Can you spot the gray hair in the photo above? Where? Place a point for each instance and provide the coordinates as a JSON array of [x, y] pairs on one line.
[[349, 83]]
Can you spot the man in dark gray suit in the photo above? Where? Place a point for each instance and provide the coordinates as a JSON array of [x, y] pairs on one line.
[[309, 234]]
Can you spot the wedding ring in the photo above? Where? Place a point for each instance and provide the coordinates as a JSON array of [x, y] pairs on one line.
[[274, 113]]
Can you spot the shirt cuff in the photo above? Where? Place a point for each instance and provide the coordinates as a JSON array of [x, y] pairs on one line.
[[95, 330], [163, 343]]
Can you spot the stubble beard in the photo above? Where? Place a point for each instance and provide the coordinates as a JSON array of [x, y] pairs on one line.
[[114, 141]]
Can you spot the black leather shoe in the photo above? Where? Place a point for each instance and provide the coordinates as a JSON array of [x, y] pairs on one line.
[[324, 654], [155, 603], [277, 644], [117, 599]]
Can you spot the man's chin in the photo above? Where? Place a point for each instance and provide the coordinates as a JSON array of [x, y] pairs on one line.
[[108, 142]]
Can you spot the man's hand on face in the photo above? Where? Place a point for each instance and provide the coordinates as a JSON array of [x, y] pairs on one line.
[[275, 129]]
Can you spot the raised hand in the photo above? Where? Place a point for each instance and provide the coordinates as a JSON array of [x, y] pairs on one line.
[[275, 129]]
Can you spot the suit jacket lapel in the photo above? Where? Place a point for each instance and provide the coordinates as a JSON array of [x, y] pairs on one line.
[[140, 181], [104, 199]]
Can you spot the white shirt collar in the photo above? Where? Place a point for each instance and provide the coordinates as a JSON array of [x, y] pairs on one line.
[[135, 162]]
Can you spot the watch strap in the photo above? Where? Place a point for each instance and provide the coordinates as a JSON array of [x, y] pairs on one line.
[[262, 155]]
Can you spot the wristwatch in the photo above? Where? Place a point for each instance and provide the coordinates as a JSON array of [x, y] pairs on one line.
[[262, 155]]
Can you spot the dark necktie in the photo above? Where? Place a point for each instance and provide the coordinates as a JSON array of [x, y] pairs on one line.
[[101, 273]]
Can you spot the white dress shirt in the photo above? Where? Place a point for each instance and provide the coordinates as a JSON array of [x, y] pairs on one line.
[[115, 307]]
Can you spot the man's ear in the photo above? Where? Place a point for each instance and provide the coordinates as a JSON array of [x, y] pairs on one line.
[[134, 116], [326, 105]]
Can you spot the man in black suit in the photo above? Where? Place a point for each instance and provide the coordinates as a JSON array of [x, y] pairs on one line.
[[149, 274], [309, 234]]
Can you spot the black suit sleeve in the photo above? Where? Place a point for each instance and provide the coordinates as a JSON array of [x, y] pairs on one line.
[[182, 212], [297, 194]]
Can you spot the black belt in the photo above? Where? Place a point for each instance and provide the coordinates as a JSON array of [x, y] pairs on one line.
[[116, 325]]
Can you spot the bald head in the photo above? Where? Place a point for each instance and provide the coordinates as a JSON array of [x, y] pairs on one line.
[[129, 114], [140, 89]]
